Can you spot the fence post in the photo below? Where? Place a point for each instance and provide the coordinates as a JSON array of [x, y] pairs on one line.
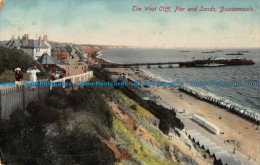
[[23, 94], [73, 81], [63, 83], [38, 91], [0, 104], [51, 82]]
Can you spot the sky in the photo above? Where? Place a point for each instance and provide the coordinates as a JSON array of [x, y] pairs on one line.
[[112, 22]]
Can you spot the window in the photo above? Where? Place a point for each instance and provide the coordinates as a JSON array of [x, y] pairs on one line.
[[37, 50]]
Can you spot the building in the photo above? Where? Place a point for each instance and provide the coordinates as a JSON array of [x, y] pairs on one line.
[[48, 63], [35, 48], [60, 54]]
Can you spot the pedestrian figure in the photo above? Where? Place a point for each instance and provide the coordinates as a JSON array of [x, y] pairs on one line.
[[85, 69], [53, 77], [18, 77], [32, 71], [57, 75], [62, 74]]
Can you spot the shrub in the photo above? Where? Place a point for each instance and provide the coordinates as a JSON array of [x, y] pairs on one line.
[[13, 58], [20, 143], [167, 117], [85, 148], [133, 107], [57, 98], [35, 107], [75, 98]]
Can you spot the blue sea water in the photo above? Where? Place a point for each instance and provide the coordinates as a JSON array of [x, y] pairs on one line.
[[243, 95]]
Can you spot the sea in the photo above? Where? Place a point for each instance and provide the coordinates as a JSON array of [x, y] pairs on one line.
[[243, 95]]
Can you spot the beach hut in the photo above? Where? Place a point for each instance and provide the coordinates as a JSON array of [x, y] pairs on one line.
[[214, 150], [204, 142], [199, 138]]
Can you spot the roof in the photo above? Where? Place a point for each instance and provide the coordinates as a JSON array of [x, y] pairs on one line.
[[224, 157], [37, 45], [59, 49], [17, 43], [114, 76], [214, 150], [46, 59], [204, 142], [199, 138]]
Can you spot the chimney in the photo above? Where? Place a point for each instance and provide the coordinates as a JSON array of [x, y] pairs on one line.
[[25, 40], [45, 38], [40, 41]]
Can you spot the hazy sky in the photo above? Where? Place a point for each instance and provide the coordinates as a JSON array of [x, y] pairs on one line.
[[113, 22]]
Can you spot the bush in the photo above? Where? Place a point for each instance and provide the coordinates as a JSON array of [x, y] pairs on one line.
[[167, 117], [57, 98], [85, 148], [20, 143], [35, 107], [75, 98], [13, 58]]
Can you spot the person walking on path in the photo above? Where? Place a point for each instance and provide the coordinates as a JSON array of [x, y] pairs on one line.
[[32, 71], [57, 75], [53, 77], [62, 74], [18, 77]]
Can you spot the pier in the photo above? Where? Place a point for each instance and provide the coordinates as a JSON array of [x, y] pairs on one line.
[[195, 63], [112, 65]]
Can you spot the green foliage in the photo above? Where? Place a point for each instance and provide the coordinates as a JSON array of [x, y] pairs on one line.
[[35, 107], [137, 147], [75, 98], [85, 148], [98, 116], [13, 58], [141, 116], [57, 98], [41, 115], [167, 117], [96, 104], [20, 143]]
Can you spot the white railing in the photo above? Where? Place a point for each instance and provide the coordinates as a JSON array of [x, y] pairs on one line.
[[82, 77]]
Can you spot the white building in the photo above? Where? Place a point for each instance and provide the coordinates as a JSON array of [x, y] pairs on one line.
[[35, 48]]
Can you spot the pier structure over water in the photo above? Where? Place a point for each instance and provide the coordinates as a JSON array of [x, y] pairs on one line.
[[195, 63]]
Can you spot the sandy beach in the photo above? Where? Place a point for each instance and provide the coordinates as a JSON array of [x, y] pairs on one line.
[[240, 134]]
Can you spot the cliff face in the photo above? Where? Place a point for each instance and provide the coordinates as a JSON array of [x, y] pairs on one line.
[[93, 125], [1, 3], [131, 132]]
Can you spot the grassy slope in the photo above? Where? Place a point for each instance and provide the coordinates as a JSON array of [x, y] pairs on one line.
[[133, 131]]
